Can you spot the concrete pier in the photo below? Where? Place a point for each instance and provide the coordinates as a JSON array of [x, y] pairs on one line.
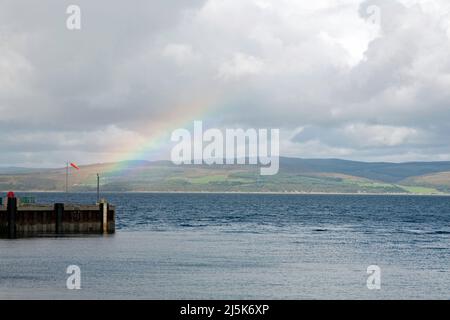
[[36, 220]]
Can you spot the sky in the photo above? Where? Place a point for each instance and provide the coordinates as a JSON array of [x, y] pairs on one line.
[[352, 79]]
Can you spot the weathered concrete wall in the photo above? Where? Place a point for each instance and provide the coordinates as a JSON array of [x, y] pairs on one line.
[[59, 219]]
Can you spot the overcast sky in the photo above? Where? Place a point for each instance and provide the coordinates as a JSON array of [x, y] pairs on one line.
[[363, 80]]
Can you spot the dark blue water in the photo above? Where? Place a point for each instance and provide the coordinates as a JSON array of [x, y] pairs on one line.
[[284, 213], [243, 246]]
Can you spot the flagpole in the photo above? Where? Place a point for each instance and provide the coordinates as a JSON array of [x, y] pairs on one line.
[[67, 176]]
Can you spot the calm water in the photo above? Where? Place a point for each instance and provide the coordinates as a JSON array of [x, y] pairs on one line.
[[237, 246]]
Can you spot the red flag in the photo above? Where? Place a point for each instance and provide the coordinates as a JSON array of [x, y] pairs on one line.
[[74, 166]]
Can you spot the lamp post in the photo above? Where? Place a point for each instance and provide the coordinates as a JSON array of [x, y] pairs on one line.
[[98, 187]]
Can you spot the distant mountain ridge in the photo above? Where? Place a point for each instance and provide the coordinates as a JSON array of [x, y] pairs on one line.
[[382, 171], [295, 175]]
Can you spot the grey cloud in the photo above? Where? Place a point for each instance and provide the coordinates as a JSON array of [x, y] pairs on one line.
[[135, 65]]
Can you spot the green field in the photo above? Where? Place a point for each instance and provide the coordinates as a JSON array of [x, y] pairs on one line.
[[295, 175]]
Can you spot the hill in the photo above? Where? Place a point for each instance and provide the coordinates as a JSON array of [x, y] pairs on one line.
[[295, 175]]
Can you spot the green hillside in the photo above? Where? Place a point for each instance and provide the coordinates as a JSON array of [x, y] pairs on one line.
[[295, 175]]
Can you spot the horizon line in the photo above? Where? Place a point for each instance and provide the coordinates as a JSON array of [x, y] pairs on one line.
[[224, 164]]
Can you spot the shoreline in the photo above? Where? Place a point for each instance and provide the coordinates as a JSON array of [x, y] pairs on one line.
[[242, 192]]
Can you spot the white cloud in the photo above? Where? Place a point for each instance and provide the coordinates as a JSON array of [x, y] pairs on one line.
[[379, 135], [180, 53], [240, 65], [15, 69], [357, 89]]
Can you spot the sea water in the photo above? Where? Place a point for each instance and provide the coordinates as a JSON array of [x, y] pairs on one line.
[[242, 246]]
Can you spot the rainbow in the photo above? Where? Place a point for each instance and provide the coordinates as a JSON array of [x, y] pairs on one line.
[[158, 134]]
